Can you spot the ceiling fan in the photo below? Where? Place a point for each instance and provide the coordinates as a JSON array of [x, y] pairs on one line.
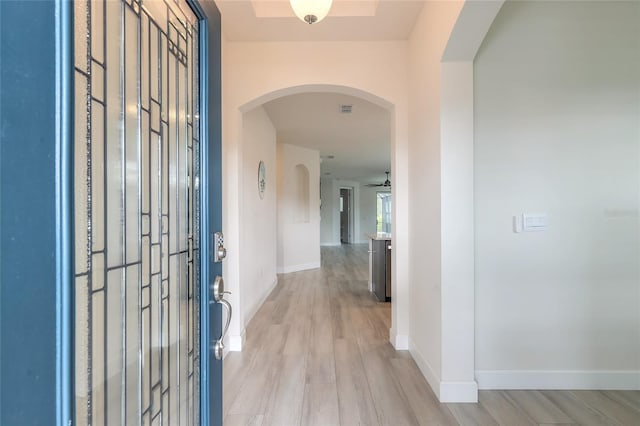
[[387, 183]]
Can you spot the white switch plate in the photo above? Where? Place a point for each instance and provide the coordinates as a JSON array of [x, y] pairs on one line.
[[532, 222]]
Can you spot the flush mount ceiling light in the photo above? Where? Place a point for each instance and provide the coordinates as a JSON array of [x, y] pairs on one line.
[[311, 11]]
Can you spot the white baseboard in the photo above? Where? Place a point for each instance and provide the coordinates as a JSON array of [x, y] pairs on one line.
[[330, 244], [236, 342], [445, 391], [400, 342], [296, 268], [427, 371], [458, 391], [575, 380]]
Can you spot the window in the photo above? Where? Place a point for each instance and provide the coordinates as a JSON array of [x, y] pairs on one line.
[[383, 218]]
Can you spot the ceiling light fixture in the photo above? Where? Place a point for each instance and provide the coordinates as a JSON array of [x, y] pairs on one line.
[[386, 183], [311, 11]]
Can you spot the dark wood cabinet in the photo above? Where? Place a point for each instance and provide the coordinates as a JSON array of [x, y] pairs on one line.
[[381, 269]]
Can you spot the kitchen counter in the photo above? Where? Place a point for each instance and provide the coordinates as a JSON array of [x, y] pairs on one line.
[[380, 236], [380, 266]]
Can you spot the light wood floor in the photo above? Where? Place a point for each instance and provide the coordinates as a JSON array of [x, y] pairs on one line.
[[317, 353]]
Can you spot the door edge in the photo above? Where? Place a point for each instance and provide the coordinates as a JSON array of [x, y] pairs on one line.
[[64, 173]]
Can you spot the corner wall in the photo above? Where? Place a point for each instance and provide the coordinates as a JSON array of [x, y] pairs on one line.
[[442, 48], [329, 213], [426, 46], [557, 111], [298, 231], [258, 232]]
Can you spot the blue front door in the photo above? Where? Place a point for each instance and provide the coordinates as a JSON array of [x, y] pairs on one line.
[[35, 231], [109, 197]]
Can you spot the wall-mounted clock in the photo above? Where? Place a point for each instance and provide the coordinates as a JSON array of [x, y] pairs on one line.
[[262, 179]]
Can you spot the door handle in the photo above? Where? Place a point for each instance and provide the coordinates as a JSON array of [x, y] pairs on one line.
[[218, 348], [218, 292]]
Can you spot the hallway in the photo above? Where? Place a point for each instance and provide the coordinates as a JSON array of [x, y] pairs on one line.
[[317, 352]]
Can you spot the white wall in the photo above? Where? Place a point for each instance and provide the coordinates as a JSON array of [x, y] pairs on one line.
[[258, 229], [329, 213], [298, 235], [557, 112]]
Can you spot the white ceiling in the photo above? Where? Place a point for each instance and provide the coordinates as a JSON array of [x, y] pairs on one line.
[[359, 141], [352, 20]]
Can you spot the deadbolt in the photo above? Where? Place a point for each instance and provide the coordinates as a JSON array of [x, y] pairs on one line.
[[217, 289], [219, 252]]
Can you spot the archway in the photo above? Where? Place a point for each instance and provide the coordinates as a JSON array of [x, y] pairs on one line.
[[244, 309]]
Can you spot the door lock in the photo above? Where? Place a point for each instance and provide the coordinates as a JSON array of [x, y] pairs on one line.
[[219, 252], [217, 289]]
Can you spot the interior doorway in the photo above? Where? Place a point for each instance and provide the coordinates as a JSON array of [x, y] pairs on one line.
[[346, 200], [283, 119]]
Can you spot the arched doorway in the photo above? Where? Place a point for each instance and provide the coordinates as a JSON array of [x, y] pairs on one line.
[[238, 209]]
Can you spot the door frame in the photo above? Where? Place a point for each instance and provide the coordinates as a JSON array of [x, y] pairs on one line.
[[351, 214], [346, 204]]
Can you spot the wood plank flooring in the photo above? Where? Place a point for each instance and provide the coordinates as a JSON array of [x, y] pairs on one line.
[[317, 353]]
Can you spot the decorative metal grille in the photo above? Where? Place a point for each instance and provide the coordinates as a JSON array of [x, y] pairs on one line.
[[136, 213]]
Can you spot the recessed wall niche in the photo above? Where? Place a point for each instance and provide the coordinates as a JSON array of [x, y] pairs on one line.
[[302, 203]]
